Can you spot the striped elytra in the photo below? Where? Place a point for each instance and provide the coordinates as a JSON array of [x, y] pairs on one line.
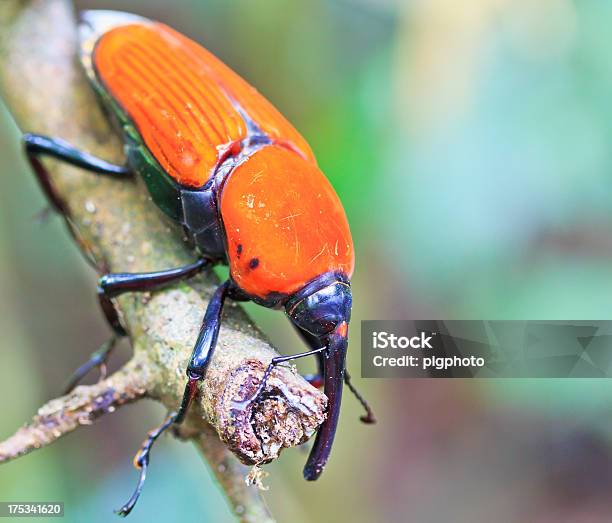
[[183, 100]]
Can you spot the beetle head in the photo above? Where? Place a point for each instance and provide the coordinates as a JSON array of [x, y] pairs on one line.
[[320, 312]]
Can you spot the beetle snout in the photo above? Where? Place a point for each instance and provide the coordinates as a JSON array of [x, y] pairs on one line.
[[322, 311]]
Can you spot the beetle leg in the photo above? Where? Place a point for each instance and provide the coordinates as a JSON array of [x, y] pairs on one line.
[[204, 348], [38, 145], [117, 283], [368, 418], [114, 284], [44, 180], [273, 363], [110, 313], [202, 352], [316, 380], [141, 462], [98, 359]]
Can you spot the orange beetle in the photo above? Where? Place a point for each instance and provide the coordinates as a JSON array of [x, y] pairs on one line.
[[223, 163]]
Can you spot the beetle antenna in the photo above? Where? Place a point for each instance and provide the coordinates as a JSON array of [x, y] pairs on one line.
[[141, 461], [369, 417]]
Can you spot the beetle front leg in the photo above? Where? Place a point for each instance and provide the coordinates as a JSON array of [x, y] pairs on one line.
[[273, 363], [204, 348], [196, 370]]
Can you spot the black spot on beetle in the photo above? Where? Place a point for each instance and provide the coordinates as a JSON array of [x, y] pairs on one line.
[[239, 250], [254, 263]]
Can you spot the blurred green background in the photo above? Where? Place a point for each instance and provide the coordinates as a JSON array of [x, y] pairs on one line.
[[471, 143]]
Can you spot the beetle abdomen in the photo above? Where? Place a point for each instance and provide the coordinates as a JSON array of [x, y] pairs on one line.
[[284, 224], [185, 103]]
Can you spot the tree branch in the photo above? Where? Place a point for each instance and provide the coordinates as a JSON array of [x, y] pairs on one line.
[[81, 407], [117, 226]]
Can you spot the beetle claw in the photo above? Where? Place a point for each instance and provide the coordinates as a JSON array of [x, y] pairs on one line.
[[141, 462], [368, 419]]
